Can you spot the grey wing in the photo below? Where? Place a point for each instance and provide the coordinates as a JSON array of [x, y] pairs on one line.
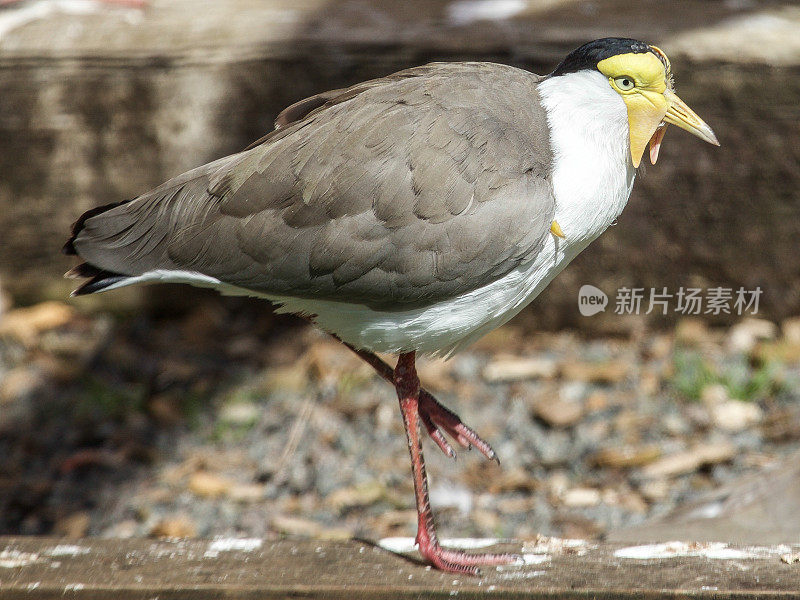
[[410, 191]]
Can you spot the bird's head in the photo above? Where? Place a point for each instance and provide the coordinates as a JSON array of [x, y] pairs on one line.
[[641, 75]]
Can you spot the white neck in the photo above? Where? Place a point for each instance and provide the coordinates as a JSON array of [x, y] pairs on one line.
[[589, 134]]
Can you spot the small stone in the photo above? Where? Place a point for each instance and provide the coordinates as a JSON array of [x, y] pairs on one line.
[[73, 526], [597, 401], [573, 391], [691, 331], [239, 413], [246, 493], [649, 383], [18, 383], [626, 456], [596, 372], [791, 330], [581, 497], [631, 502], [123, 530], [744, 336], [675, 425], [515, 479], [487, 521], [660, 346], [714, 394], [558, 483], [690, 460], [735, 415], [519, 369], [296, 526], [363, 494], [785, 351], [610, 497], [655, 490], [557, 412], [174, 527], [208, 485], [26, 324]]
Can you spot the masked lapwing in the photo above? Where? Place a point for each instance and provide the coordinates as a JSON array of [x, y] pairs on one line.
[[409, 214]]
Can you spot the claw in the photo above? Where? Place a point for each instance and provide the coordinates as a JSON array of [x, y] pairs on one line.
[[437, 436], [437, 419]]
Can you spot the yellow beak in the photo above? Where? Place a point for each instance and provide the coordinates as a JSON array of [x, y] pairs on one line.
[[684, 117]]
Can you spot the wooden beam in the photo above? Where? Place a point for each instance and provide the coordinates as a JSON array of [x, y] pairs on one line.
[[36, 568]]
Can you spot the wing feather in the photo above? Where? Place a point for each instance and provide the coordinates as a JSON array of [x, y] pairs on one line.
[[395, 193]]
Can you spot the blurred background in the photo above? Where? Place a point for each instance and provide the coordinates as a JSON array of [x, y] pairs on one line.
[[169, 411]]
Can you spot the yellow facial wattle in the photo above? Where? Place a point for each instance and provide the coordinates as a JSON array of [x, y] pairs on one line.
[[644, 82]]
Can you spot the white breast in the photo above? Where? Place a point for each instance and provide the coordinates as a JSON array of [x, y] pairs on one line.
[[589, 135]]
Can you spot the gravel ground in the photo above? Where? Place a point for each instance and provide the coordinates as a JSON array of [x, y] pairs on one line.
[[231, 421]]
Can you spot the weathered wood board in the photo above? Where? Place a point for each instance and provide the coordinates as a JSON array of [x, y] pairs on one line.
[[37, 568]]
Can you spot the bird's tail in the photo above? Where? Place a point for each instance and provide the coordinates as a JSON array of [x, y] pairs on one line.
[[97, 279]]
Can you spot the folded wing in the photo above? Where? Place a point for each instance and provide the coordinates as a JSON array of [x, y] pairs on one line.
[[398, 192]]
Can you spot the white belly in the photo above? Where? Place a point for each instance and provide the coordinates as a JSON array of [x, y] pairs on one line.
[[446, 327]]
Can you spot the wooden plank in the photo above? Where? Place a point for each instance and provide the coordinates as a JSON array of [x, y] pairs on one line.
[[35, 568]]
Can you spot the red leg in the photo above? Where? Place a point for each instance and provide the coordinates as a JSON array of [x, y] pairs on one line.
[[408, 392], [434, 416]]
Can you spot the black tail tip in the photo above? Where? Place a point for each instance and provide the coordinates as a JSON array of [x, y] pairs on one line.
[[98, 279], [97, 284]]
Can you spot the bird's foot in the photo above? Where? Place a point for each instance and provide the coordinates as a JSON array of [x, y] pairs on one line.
[[456, 561], [438, 418]]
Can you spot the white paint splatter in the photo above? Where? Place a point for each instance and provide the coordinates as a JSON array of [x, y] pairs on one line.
[[713, 550], [464, 12], [232, 544], [791, 557], [521, 574], [554, 545], [11, 559], [402, 545], [532, 559], [67, 550]]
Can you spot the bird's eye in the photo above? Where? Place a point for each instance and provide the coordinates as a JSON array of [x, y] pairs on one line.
[[625, 83]]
